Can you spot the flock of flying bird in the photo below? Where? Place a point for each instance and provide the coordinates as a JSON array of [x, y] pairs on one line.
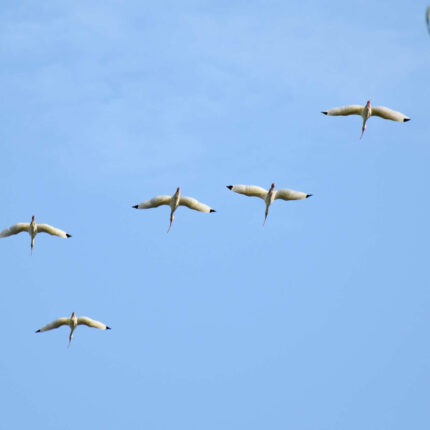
[[269, 196]]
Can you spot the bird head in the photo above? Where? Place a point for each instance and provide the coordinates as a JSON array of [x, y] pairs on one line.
[[272, 186]]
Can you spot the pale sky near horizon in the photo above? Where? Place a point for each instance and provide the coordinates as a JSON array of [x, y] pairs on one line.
[[319, 319]]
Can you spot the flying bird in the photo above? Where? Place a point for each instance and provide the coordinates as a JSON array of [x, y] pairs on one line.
[[73, 322], [268, 196], [366, 112], [174, 201], [428, 18], [32, 229]]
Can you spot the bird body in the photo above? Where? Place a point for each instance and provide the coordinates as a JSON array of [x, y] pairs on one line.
[[366, 112], [33, 229], [174, 202], [268, 196], [73, 322]]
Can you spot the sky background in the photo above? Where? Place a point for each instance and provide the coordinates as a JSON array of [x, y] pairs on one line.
[[319, 319]]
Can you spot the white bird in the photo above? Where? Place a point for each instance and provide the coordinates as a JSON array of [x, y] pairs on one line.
[[73, 322], [268, 196], [428, 18], [366, 112], [174, 201], [32, 229]]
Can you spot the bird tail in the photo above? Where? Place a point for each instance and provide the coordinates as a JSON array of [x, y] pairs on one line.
[[265, 216], [363, 129], [171, 220]]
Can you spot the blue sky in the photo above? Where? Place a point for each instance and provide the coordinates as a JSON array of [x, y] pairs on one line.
[[319, 319]]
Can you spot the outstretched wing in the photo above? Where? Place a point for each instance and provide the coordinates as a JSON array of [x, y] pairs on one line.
[[92, 323], [345, 110], [15, 229], [54, 324], [249, 190], [45, 228], [428, 18], [387, 113], [154, 203], [194, 204], [287, 194]]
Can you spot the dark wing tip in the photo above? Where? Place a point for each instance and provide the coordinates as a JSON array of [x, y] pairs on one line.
[[309, 195], [68, 235], [212, 210], [406, 119], [135, 207], [37, 331], [230, 187], [325, 113], [108, 328]]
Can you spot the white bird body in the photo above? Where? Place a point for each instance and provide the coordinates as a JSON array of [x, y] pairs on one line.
[[33, 229], [268, 196], [73, 322], [174, 201], [366, 112]]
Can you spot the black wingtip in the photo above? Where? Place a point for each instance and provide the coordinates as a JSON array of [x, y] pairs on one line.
[[68, 235], [108, 328], [37, 331], [325, 113], [406, 119], [230, 187], [135, 207], [212, 210], [309, 195]]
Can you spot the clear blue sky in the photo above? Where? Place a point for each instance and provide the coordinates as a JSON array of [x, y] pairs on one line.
[[319, 320]]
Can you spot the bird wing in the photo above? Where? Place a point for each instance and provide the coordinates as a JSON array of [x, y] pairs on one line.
[[15, 229], [345, 110], [194, 204], [387, 113], [428, 18], [55, 324], [92, 323], [249, 190], [46, 228], [287, 194], [154, 203]]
